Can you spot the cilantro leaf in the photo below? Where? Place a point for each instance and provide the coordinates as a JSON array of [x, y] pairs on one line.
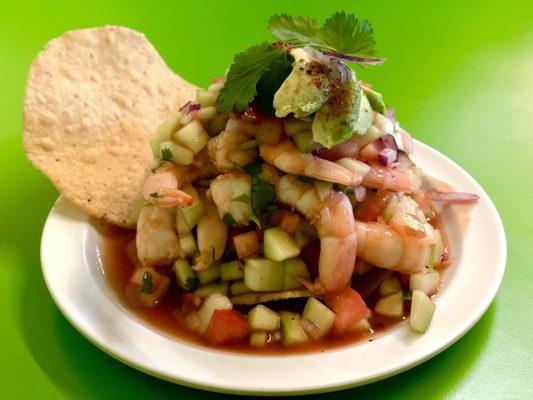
[[254, 168], [247, 69], [263, 194], [166, 154], [155, 195], [342, 33], [148, 283], [228, 219]]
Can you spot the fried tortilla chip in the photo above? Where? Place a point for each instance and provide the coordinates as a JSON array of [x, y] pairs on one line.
[[93, 98], [256, 298]]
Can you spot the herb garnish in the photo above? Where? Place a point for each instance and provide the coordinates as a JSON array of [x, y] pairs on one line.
[[166, 154], [148, 283]]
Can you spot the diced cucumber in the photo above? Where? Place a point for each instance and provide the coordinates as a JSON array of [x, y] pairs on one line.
[[137, 207], [294, 269], [238, 288], [389, 286], [188, 244], [179, 154], [319, 315], [232, 271], [212, 288], [209, 275], [212, 302], [305, 234], [217, 124], [205, 98], [427, 281], [262, 318], [192, 136], [278, 245], [304, 141], [206, 114], [422, 310], [323, 189], [390, 306], [185, 276], [390, 210], [192, 214], [292, 333], [182, 227], [362, 325], [258, 339], [164, 133], [262, 275], [356, 166], [294, 126]]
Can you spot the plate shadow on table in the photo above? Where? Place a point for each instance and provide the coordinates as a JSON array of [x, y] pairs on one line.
[[83, 371]]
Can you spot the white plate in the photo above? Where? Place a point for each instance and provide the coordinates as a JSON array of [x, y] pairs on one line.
[[72, 270]]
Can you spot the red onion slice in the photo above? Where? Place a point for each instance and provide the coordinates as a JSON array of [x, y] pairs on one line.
[[360, 193], [452, 197], [356, 59], [387, 156], [190, 107], [389, 141], [348, 149]]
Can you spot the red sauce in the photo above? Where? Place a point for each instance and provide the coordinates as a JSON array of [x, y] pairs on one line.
[[166, 317]]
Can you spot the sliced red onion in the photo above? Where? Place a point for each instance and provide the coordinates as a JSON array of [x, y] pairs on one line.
[[391, 115], [387, 156], [190, 107], [452, 197], [389, 142], [344, 72], [184, 107], [348, 149], [357, 59], [360, 193], [445, 257]]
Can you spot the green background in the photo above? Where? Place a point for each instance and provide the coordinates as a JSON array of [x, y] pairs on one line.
[[460, 75]]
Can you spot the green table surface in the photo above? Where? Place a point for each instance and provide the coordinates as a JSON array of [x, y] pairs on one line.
[[460, 75]]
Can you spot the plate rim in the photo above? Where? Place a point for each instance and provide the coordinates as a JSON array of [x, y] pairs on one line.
[[319, 388]]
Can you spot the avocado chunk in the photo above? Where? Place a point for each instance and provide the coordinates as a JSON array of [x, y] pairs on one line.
[[364, 120], [306, 88], [278, 245], [336, 120], [376, 100]]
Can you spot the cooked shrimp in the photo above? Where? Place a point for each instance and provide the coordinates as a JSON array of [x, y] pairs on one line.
[[387, 179], [231, 194], [162, 187], [286, 156], [225, 150], [212, 234], [335, 224], [383, 246], [157, 241]]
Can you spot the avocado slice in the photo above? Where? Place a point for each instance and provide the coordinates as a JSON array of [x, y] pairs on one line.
[[336, 120], [376, 100], [364, 120], [306, 88]]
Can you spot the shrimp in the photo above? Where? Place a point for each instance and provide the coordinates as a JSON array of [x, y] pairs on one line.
[[387, 179], [224, 150], [336, 229], [162, 187], [230, 193], [212, 234], [401, 250], [157, 241], [288, 158]]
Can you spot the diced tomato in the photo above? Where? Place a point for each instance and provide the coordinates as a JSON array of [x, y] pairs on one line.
[[375, 207], [348, 149], [227, 326], [190, 302], [286, 220], [349, 308], [404, 278]]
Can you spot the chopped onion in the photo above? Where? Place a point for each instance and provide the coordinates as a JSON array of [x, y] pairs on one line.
[[360, 193], [387, 156], [357, 59], [445, 257], [390, 114], [190, 107], [344, 72], [452, 197], [390, 142], [348, 149]]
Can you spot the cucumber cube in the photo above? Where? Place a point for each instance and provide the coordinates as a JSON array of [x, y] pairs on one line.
[[304, 141], [262, 318], [389, 286], [238, 288], [205, 98], [185, 276], [390, 306], [262, 275], [294, 269], [258, 339], [192, 214], [278, 245], [206, 290], [422, 310], [292, 333], [426, 281], [232, 271], [164, 133], [179, 154], [209, 275], [192, 136], [319, 315]]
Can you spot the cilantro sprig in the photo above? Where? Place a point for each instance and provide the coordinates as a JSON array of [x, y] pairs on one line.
[[257, 73]]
